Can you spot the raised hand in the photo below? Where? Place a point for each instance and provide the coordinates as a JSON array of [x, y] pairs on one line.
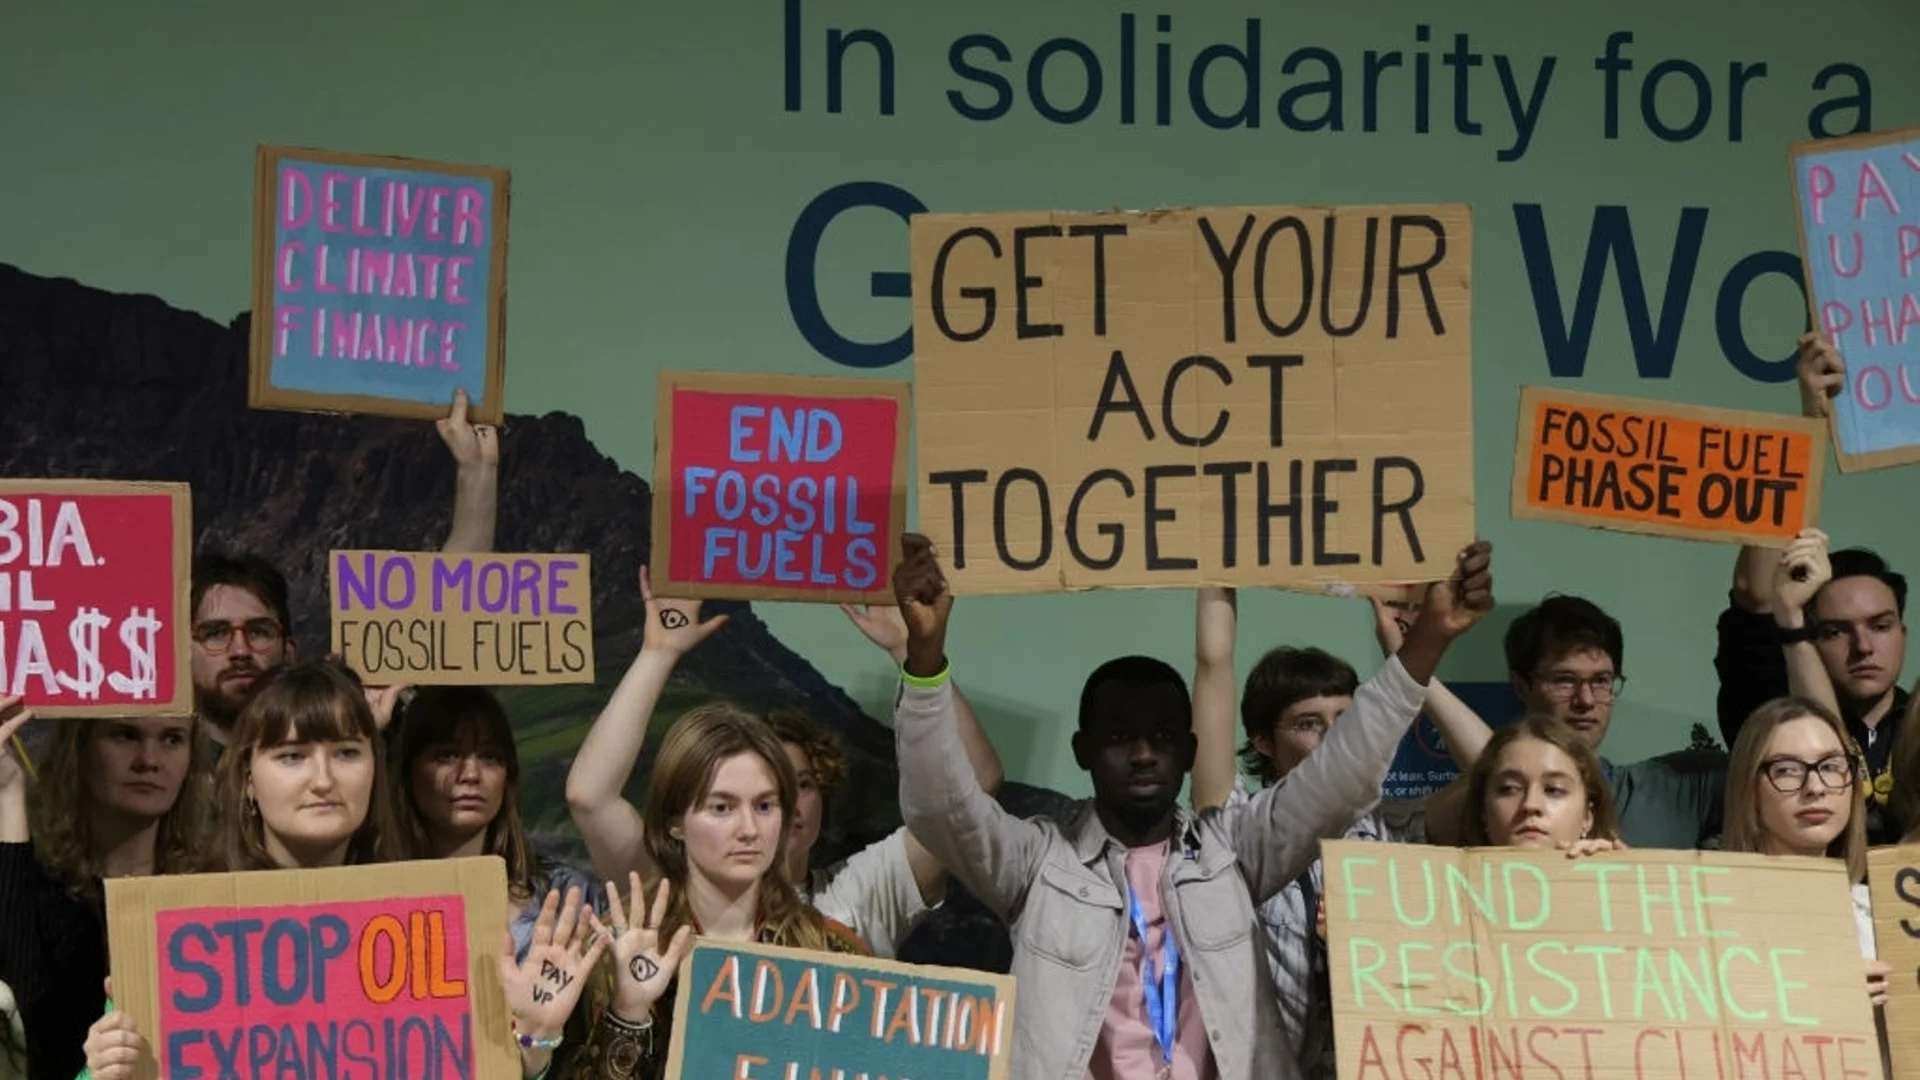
[[1586, 846], [1803, 568], [642, 969], [1454, 605], [383, 700], [472, 445], [674, 627], [13, 772], [1877, 974], [114, 1047], [542, 989], [1821, 374], [920, 589], [884, 626]]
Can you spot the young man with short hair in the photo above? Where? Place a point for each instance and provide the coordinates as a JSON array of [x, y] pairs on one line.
[[1135, 939]]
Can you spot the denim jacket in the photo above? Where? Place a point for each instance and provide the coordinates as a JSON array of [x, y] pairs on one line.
[[1063, 890]]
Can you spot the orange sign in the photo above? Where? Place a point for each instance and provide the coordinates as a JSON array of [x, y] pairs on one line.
[[1666, 469]]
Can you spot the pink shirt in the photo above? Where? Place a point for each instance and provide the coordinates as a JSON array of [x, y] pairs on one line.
[[1126, 1049]]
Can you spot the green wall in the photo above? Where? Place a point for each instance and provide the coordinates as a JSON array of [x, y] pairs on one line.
[[658, 175]]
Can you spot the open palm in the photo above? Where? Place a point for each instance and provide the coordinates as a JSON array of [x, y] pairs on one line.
[[642, 969], [674, 626], [542, 989]]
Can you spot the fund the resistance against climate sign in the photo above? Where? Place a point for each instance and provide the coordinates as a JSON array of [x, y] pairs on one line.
[[1494, 964], [1233, 396]]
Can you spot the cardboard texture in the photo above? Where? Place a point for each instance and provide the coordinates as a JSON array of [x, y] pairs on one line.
[[1238, 396], [760, 1010], [1493, 963], [1859, 223], [466, 619], [770, 487], [1893, 873], [333, 969], [95, 586], [1666, 469], [379, 284]]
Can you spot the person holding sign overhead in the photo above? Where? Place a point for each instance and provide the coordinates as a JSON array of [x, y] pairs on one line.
[[1136, 944], [880, 892], [719, 806], [114, 797], [302, 786]]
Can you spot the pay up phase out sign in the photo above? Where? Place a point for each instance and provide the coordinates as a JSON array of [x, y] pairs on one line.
[[778, 487], [1239, 396], [1666, 469], [462, 619], [379, 284], [762, 1011], [94, 587], [378, 971], [1496, 964]]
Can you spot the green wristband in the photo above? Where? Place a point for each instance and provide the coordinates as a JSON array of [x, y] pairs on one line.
[[928, 682]]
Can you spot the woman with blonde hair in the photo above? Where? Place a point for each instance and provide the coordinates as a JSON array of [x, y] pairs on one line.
[[717, 808], [303, 786], [115, 797], [1538, 785]]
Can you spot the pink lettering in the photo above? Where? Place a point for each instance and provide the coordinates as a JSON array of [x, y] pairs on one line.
[[1908, 239], [330, 204], [1865, 399], [1906, 386], [1837, 318], [360, 226], [1872, 186], [1912, 162], [288, 252], [296, 198], [1859, 255], [320, 274], [448, 348], [456, 279], [1909, 313], [1819, 186], [469, 220], [403, 201], [436, 212], [1868, 323], [285, 316]]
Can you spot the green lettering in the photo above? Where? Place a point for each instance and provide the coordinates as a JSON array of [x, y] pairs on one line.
[[1604, 897], [1701, 982], [1354, 889], [1572, 988], [1649, 897], [1470, 973], [1399, 909], [1646, 978], [1457, 883], [1411, 980], [1727, 983], [1363, 973], [1781, 984], [1600, 954], [1703, 900], [1539, 919]]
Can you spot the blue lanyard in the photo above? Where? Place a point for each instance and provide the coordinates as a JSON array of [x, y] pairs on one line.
[[1162, 997]]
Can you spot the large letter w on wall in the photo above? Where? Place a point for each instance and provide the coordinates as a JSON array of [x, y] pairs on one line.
[[1610, 238]]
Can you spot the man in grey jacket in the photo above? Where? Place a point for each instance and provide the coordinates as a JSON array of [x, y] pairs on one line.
[[1136, 946]]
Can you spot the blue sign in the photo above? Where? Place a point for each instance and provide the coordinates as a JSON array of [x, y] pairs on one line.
[[1423, 764], [378, 284], [1860, 238]]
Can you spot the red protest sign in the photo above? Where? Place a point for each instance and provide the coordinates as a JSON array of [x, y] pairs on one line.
[[778, 487], [94, 580]]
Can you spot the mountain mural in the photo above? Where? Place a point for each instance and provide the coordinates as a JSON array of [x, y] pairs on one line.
[[107, 386]]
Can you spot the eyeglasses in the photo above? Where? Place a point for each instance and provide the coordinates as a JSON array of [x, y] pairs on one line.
[[1789, 775], [1567, 687], [215, 635], [1304, 725]]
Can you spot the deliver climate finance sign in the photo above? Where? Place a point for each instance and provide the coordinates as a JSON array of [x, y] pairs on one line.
[[1244, 396], [774, 487], [1495, 964], [462, 619]]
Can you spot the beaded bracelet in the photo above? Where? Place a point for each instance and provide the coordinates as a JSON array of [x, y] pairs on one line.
[[528, 1042]]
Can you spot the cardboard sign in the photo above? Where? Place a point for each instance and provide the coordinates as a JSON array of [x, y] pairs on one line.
[[1662, 965], [1666, 469], [1893, 873], [379, 284], [772, 487], [1266, 396], [1859, 201], [758, 1010], [464, 619], [95, 579], [382, 970]]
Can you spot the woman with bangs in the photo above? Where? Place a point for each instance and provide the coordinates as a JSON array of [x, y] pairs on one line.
[[303, 786], [456, 782], [115, 797], [718, 807], [1794, 788]]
